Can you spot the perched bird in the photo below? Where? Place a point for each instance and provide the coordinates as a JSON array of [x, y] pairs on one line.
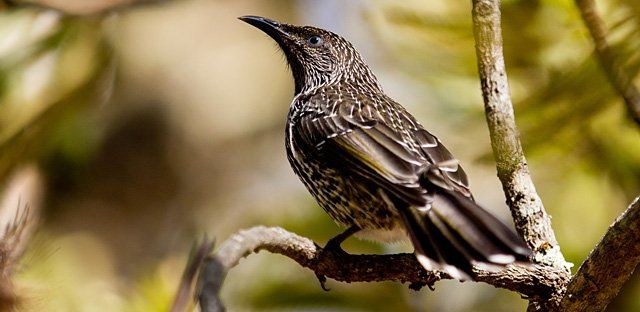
[[373, 167]]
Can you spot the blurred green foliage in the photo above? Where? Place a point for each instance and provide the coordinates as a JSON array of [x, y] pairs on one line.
[[51, 67]]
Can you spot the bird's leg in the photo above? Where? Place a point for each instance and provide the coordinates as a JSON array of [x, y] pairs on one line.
[[333, 246]]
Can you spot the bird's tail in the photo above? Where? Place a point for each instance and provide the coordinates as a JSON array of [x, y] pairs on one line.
[[454, 233]]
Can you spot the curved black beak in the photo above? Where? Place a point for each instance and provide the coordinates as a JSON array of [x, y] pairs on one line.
[[270, 27]]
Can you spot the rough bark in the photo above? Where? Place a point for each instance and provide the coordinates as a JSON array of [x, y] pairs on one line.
[[538, 282], [529, 215], [608, 267], [619, 79]]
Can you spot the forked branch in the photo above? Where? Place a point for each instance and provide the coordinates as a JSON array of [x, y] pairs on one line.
[[529, 215]]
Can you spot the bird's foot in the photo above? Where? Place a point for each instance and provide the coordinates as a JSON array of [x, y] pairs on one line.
[[323, 280], [333, 245], [333, 248]]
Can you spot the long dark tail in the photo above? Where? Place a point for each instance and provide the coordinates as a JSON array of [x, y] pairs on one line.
[[454, 233]]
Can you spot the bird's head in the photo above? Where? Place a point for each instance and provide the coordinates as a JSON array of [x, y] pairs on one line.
[[316, 56]]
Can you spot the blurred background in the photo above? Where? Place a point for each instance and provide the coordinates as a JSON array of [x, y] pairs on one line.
[[128, 130]]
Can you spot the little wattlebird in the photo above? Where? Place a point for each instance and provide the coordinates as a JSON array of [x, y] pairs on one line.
[[373, 167]]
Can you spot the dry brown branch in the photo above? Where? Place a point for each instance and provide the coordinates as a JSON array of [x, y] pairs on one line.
[[608, 267], [530, 217], [535, 281], [619, 79]]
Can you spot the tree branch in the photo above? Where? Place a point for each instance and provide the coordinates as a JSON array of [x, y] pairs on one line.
[[530, 217], [618, 78], [534, 281], [608, 267]]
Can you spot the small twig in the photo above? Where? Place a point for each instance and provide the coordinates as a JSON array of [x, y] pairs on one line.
[[608, 267], [537, 282], [195, 262], [621, 82], [530, 217], [209, 285]]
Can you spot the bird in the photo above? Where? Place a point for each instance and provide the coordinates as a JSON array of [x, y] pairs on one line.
[[373, 167]]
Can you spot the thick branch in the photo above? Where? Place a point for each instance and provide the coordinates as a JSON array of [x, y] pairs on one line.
[[535, 281], [618, 78], [530, 217], [608, 267]]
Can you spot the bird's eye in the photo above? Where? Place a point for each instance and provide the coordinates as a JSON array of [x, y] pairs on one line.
[[315, 41]]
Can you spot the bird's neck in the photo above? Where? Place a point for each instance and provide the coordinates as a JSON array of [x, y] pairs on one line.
[[357, 74], [320, 98], [360, 74]]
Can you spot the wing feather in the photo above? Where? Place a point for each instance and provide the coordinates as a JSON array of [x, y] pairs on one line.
[[372, 146]]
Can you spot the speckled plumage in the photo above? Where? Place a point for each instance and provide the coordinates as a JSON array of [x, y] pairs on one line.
[[335, 110], [372, 166]]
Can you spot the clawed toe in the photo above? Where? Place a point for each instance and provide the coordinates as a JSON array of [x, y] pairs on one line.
[[323, 280], [333, 248]]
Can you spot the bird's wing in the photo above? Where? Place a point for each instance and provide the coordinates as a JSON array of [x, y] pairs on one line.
[[453, 176], [371, 152], [365, 143]]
